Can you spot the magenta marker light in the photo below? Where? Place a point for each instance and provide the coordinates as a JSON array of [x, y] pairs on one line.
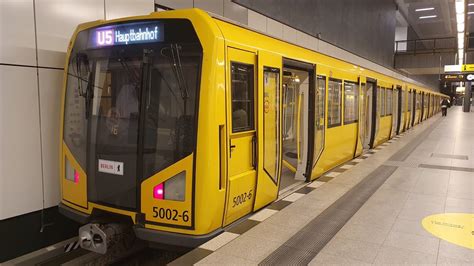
[[76, 177], [159, 191]]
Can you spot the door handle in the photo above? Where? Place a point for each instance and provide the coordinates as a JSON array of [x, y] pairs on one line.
[[231, 147]]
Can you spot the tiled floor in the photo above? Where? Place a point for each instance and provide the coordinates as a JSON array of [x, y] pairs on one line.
[[387, 228]]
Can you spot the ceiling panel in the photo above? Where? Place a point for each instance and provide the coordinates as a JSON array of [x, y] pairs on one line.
[[444, 25]]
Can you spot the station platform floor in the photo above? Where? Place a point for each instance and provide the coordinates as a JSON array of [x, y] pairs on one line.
[[367, 211]]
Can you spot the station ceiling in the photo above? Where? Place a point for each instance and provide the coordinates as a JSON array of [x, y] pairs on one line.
[[443, 25]]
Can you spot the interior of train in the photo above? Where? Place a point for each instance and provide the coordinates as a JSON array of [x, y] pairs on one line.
[[295, 89]]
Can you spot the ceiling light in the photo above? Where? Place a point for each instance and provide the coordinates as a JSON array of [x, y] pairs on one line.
[[460, 7], [424, 9], [423, 17], [460, 27]]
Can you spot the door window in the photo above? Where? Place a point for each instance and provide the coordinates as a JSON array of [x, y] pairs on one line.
[[351, 106], [242, 97], [319, 118], [389, 102], [334, 102], [271, 121]]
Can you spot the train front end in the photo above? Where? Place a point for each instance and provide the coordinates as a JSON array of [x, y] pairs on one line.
[[129, 134]]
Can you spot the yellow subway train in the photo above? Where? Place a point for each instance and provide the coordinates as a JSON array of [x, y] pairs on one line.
[[179, 123]]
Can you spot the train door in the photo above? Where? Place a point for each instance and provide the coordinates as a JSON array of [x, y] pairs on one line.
[[297, 81], [400, 109], [395, 111], [363, 113], [414, 107], [241, 130], [371, 110], [410, 109], [269, 117], [422, 117]]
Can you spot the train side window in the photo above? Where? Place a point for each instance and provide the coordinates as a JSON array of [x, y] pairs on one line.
[[242, 89], [379, 100], [351, 97], [334, 102], [389, 111], [382, 101]]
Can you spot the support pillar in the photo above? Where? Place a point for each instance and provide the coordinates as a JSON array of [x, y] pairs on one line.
[[467, 97]]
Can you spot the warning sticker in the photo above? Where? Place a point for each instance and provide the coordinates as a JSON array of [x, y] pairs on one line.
[[110, 167]]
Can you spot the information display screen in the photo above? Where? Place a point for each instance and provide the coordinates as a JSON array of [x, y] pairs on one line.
[[126, 34]]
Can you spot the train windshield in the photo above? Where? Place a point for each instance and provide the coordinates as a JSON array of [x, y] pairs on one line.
[[130, 107]]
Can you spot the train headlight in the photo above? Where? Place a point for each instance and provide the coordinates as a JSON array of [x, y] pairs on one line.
[[172, 189], [71, 173]]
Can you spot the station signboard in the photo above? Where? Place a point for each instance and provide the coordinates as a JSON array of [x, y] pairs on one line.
[[468, 68], [453, 68], [452, 77], [457, 77]]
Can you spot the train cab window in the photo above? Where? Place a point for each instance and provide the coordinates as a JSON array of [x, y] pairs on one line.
[[351, 107], [242, 89], [170, 114], [334, 102], [388, 111]]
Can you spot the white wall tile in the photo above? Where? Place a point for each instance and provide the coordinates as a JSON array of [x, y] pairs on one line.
[[50, 102], [274, 27], [289, 34], [17, 22], [214, 6], [56, 21], [127, 8], [175, 4], [257, 21], [20, 166], [235, 12]]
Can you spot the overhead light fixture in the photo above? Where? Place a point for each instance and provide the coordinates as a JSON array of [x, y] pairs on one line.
[[460, 7], [424, 17], [460, 15], [424, 9]]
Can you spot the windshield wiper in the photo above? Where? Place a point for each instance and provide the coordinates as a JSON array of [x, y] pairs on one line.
[[132, 75], [175, 62]]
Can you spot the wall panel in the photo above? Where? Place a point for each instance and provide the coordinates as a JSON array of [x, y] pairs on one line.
[[50, 102], [363, 27], [126, 8], [175, 4], [214, 6], [56, 21], [17, 45], [20, 160]]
